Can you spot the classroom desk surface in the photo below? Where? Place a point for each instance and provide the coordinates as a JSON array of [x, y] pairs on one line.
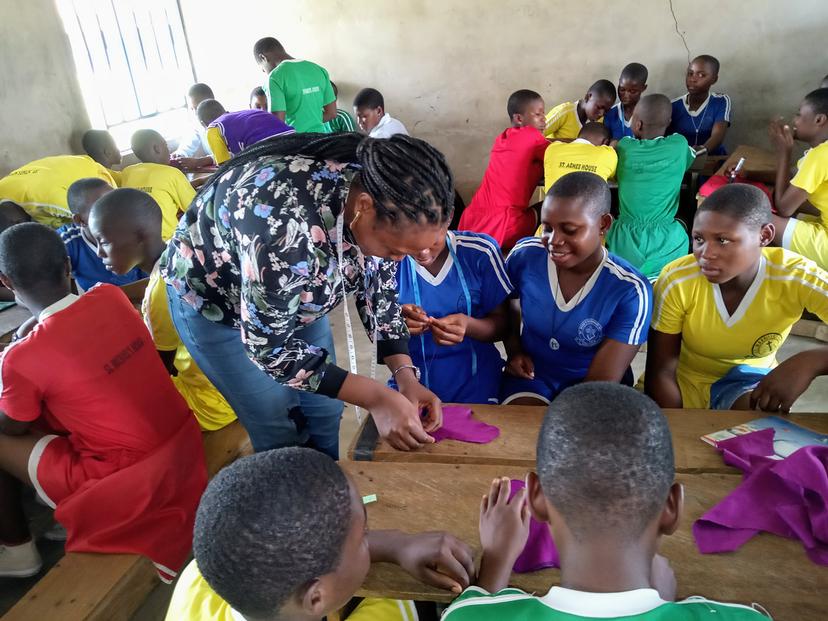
[[11, 319], [760, 164], [519, 425], [420, 497]]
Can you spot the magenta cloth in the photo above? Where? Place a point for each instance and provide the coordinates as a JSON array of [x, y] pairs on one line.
[[787, 497], [540, 551], [459, 425]]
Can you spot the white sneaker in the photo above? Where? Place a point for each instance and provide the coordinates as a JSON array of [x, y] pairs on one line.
[[20, 561]]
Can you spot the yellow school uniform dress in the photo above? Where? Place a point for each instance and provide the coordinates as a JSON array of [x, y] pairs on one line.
[[167, 185], [712, 340], [40, 187], [810, 237], [194, 600], [561, 158], [210, 408]]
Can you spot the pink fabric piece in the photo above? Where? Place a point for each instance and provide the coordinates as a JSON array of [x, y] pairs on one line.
[[459, 425], [540, 551], [787, 497]]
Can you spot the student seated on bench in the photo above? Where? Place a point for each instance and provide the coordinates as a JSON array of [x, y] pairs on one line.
[[607, 504], [283, 534], [90, 419]]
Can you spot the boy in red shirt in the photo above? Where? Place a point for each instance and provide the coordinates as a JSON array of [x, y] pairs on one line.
[[90, 419], [500, 207]]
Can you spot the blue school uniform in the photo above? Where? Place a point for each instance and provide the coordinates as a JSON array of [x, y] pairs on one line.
[[615, 122], [563, 337], [472, 281], [697, 126], [87, 267]]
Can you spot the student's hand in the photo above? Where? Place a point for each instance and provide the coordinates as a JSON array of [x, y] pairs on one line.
[[398, 421], [521, 365], [438, 559], [426, 402], [449, 330], [504, 523], [415, 318], [781, 135], [778, 390], [662, 578]]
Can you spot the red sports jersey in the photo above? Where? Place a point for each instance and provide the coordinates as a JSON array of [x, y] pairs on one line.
[[500, 207], [127, 469]]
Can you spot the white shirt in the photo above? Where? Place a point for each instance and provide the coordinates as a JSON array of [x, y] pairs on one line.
[[387, 127], [194, 144]]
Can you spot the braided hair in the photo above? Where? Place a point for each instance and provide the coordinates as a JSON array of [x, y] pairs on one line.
[[407, 177]]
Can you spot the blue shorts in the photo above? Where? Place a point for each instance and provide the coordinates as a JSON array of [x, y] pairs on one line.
[[739, 380]]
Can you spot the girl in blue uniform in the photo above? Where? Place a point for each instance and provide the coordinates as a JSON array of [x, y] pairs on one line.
[[454, 303], [579, 313]]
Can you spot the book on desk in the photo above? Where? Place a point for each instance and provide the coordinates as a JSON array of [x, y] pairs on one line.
[[788, 437]]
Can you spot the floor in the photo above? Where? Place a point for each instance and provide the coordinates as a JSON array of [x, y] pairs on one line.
[[815, 399]]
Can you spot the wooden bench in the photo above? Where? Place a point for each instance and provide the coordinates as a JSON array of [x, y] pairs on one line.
[[420, 497], [111, 587], [519, 426]]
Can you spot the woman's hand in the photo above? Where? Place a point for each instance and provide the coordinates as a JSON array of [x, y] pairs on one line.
[[780, 388], [426, 402], [521, 365], [415, 318], [781, 135], [449, 330]]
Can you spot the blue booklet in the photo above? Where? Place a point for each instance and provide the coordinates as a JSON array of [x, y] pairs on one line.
[[788, 437]]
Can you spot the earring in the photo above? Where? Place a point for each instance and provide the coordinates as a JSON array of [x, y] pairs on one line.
[[354, 221]]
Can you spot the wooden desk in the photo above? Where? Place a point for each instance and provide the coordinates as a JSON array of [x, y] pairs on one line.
[[519, 425], [11, 319], [760, 165], [420, 497]]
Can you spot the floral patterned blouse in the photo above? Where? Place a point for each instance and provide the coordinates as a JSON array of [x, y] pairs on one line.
[[258, 251]]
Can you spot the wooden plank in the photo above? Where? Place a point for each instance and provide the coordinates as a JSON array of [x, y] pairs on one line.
[[224, 446], [760, 164], [770, 570], [519, 426], [88, 587]]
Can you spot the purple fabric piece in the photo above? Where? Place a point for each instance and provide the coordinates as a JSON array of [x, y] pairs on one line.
[[247, 127], [459, 425], [540, 551], [787, 497]]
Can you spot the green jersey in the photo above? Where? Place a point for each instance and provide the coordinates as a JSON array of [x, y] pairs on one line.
[[568, 605], [341, 123], [649, 175], [301, 89]]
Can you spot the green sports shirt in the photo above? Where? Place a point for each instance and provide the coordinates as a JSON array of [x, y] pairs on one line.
[[567, 605], [300, 88]]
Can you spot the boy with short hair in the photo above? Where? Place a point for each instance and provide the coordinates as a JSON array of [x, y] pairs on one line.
[[258, 99], [500, 207], [193, 148], [230, 133], [100, 146], [700, 115], [590, 151], [650, 170], [606, 519], [810, 184], [631, 85], [87, 268], [10, 214], [283, 534], [121, 461], [564, 121], [127, 226], [154, 175], [299, 92], [40, 186], [343, 121], [369, 109]]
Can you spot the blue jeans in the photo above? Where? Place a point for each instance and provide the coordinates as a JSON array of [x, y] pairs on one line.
[[273, 414]]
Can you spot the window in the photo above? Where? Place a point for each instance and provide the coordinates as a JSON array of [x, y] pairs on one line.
[[133, 64]]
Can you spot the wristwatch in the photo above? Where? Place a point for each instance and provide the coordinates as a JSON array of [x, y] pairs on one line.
[[406, 366]]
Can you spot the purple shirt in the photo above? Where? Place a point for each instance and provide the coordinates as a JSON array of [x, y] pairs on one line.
[[246, 127]]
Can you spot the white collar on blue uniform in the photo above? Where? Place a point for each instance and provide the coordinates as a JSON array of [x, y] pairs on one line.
[[701, 108], [436, 281], [602, 605]]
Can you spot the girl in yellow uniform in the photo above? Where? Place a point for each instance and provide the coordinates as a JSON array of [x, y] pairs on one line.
[[722, 313]]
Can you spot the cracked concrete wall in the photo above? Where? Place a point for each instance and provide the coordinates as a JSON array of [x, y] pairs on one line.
[[446, 67], [42, 109]]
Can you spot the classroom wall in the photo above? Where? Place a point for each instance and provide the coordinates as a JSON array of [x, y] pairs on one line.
[[446, 67], [42, 109]]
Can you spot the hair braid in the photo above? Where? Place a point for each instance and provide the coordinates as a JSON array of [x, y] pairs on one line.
[[405, 176]]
